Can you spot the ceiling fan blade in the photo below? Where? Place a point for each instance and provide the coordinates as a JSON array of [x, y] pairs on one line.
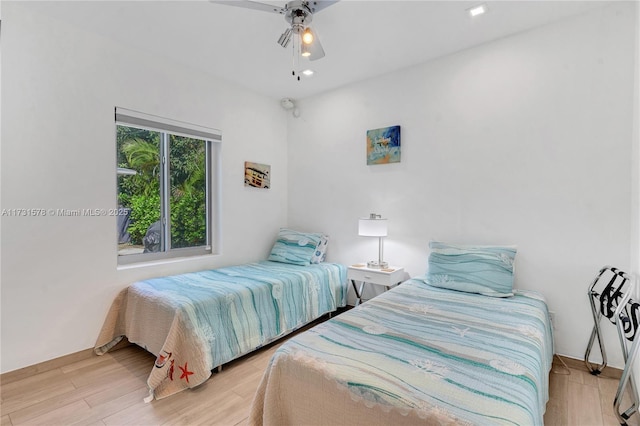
[[318, 5], [315, 48], [248, 4]]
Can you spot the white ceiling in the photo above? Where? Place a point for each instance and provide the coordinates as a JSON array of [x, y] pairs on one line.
[[362, 39]]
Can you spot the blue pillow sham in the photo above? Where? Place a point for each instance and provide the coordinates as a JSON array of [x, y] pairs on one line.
[[486, 270], [297, 248]]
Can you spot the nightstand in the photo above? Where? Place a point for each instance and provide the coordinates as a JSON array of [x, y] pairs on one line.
[[387, 277]]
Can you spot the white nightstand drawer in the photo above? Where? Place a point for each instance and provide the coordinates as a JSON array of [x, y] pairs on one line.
[[389, 277], [386, 277]]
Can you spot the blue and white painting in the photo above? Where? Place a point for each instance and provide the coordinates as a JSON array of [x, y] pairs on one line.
[[383, 145]]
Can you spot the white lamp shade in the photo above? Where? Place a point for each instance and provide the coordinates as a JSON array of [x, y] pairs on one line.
[[372, 227]]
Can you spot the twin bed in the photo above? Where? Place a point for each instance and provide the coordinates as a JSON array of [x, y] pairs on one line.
[[198, 321], [433, 350], [414, 355]]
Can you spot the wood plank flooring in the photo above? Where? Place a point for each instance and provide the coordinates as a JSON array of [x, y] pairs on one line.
[[578, 398], [109, 390]]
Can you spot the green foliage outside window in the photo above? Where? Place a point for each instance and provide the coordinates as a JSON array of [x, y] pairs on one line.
[[189, 221], [188, 187], [145, 210], [139, 150]]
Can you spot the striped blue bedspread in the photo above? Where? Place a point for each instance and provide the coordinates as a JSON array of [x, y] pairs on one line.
[[196, 321], [415, 355]]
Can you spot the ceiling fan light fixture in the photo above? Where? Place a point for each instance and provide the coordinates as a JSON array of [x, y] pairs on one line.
[[305, 51], [307, 36], [299, 14], [285, 38]]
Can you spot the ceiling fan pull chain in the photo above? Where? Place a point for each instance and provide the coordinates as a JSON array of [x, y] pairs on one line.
[[293, 57]]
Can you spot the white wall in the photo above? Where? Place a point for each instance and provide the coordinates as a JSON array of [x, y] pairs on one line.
[[635, 158], [60, 86], [635, 161], [525, 140]]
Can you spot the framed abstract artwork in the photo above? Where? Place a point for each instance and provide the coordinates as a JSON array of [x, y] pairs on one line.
[[383, 145], [257, 175]]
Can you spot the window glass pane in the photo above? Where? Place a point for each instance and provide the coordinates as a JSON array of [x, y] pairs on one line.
[[139, 173], [187, 195]]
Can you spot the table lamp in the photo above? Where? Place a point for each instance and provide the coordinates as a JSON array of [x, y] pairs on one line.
[[374, 226]]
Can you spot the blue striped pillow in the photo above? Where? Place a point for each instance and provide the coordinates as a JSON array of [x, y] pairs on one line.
[[486, 270], [294, 247]]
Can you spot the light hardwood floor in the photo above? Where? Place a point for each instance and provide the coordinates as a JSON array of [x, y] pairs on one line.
[[109, 390], [579, 398]]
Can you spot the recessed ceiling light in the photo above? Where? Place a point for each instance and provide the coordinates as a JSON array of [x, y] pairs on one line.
[[478, 10], [307, 73]]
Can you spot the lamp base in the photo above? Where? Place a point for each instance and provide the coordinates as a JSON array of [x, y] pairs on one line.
[[374, 264]]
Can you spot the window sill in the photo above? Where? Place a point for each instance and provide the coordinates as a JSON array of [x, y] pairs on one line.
[[169, 261]]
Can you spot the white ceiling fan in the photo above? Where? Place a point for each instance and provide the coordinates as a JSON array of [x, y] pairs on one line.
[[299, 14]]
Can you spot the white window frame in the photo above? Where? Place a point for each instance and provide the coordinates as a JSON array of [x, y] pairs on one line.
[[213, 140]]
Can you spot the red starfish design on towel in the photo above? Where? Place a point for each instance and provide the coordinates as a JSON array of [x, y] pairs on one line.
[[185, 372]]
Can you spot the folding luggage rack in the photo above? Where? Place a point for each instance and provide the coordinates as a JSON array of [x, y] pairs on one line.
[[610, 297]]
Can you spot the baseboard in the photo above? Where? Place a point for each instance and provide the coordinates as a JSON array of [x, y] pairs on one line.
[[42, 367], [52, 364], [578, 364]]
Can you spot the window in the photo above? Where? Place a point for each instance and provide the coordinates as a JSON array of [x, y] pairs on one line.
[[166, 174]]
